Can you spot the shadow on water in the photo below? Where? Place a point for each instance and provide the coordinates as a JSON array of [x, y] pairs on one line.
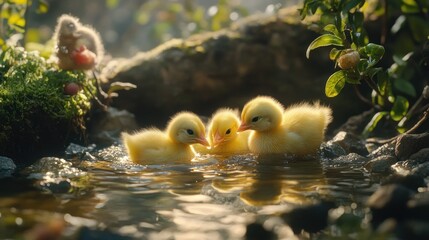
[[208, 198]]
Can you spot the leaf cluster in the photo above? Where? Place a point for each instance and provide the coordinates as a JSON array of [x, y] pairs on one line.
[[342, 27]]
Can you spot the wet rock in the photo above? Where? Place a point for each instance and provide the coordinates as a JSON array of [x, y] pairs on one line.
[[421, 156], [407, 144], [107, 126], [75, 150], [351, 158], [381, 164], [256, 231], [421, 170], [389, 201], [7, 167], [86, 233], [385, 149], [62, 186], [412, 182], [331, 150], [53, 168], [418, 206], [350, 143], [311, 218]]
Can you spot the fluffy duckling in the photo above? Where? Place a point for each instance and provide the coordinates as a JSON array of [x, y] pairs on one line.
[[155, 146], [78, 46], [299, 129], [223, 136]]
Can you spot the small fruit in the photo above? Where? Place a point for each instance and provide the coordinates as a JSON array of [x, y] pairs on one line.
[[71, 89], [83, 58], [348, 60]]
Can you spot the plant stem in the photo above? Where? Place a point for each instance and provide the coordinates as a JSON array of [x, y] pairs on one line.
[[361, 97]]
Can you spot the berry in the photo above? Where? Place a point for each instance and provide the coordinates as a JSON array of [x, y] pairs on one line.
[[71, 89]]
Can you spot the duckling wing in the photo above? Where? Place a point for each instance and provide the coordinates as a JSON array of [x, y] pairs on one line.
[[305, 126], [150, 144]]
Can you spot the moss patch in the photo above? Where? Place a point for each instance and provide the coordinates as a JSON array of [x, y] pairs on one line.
[[36, 115]]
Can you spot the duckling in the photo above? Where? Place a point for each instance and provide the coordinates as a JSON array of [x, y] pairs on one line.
[[78, 46], [299, 129], [223, 136], [155, 146]]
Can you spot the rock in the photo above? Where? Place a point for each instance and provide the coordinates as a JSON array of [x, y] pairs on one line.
[[412, 182], [421, 170], [86, 233], [75, 150], [418, 206], [357, 123], [389, 201], [407, 144], [381, 164], [350, 143], [386, 149], [311, 218], [351, 160], [7, 167], [256, 231], [421, 156], [107, 126], [331, 150]]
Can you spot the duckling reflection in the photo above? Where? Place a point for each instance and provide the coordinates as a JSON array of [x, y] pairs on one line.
[[180, 180], [280, 179]]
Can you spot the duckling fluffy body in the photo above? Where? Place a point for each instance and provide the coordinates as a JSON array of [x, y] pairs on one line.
[[223, 136], [155, 146], [299, 129]]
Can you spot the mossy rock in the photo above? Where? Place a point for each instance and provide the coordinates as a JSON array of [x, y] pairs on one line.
[[37, 117]]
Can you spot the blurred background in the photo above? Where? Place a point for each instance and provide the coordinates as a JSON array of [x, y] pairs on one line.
[[127, 27]]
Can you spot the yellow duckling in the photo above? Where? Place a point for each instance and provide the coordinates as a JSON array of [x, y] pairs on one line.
[[299, 129], [154, 146], [223, 136]]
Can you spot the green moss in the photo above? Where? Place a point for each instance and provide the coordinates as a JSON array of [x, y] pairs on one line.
[[33, 107]]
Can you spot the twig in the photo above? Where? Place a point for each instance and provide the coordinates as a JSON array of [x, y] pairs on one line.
[[411, 130], [361, 97]]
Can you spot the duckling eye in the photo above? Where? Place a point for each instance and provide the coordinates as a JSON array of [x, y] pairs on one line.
[[255, 119], [228, 131], [190, 132]]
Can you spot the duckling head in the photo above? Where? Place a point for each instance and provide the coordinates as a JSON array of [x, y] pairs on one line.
[[223, 126], [261, 114], [187, 128]]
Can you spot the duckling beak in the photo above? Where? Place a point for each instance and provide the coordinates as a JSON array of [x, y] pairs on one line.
[[202, 140], [243, 127], [218, 139]]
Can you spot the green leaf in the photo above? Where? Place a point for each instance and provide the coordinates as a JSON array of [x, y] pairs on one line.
[[335, 83], [419, 28], [332, 29], [323, 41], [405, 87], [362, 65], [116, 86], [351, 4], [334, 53], [373, 123], [374, 52], [400, 108], [371, 72]]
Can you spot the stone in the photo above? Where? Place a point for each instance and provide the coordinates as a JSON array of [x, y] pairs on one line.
[[412, 182], [389, 201], [385, 149], [350, 143], [418, 206], [7, 167], [421, 156], [421, 170], [107, 126], [381, 164], [352, 160], [331, 150], [255, 231], [312, 218], [408, 144]]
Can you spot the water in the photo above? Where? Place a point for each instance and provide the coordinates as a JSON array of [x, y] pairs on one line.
[[209, 198]]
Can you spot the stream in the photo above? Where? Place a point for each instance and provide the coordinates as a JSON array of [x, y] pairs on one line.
[[208, 198]]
